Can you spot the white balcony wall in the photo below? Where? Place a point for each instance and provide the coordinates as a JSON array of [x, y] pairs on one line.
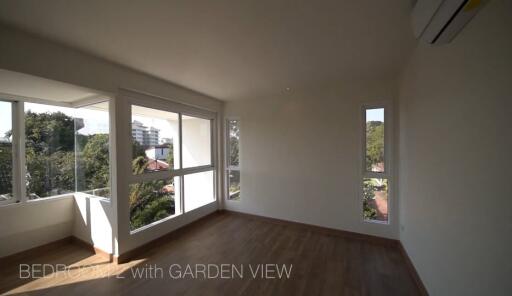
[[24, 226]]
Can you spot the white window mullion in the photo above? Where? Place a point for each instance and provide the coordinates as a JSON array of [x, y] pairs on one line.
[[182, 177], [20, 174]]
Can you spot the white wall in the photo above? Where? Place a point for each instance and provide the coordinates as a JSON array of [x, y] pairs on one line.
[[455, 200], [24, 226], [301, 156], [93, 221]]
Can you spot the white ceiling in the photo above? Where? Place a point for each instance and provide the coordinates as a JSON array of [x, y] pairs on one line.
[[32, 87], [231, 49]]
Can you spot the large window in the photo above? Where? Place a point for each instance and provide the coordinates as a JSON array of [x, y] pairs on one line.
[[233, 158], [171, 163], [6, 152], [62, 150], [375, 183]]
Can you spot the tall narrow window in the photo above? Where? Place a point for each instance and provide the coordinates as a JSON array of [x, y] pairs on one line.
[[375, 183], [233, 158], [6, 152]]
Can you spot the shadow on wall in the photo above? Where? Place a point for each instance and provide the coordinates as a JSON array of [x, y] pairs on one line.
[[93, 221]]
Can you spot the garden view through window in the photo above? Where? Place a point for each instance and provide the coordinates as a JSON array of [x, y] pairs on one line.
[[233, 159], [66, 150], [375, 181], [178, 147]]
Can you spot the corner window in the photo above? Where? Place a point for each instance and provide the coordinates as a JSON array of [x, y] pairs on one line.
[[375, 183], [233, 159], [59, 150], [66, 150]]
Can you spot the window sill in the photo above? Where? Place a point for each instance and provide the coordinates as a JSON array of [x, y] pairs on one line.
[[37, 201], [376, 222]]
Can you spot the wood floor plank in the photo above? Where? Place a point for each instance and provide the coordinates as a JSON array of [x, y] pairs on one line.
[[323, 264]]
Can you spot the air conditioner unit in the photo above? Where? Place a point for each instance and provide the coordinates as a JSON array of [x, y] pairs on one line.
[[439, 21]]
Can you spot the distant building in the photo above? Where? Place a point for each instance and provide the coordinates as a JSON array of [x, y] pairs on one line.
[[158, 152], [144, 135], [151, 137]]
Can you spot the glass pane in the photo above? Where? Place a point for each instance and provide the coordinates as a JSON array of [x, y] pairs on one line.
[[92, 150], [155, 135], [375, 140], [198, 190], [5, 151], [50, 150], [234, 184], [152, 201], [375, 199], [233, 141], [196, 142]]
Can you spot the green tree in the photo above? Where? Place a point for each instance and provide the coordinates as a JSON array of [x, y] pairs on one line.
[[95, 161], [374, 143], [5, 168], [137, 149], [170, 156], [50, 139], [234, 144], [149, 201]]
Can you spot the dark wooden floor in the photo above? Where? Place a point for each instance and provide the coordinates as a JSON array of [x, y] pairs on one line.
[[323, 264]]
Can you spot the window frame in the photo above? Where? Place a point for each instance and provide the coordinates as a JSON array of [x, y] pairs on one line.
[[148, 101], [14, 154], [227, 156], [388, 159], [18, 145]]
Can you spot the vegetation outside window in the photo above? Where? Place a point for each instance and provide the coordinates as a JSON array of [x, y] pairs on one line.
[[233, 158], [66, 150], [60, 150], [375, 184], [92, 150], [171, 164]]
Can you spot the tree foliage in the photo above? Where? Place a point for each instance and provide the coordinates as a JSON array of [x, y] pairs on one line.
[[149, 201], [50, 156], [234, 144], [374, 143], [5, 168], [95, 161]]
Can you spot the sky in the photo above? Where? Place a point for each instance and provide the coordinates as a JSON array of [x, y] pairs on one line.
[[375, 114], [5, 118]]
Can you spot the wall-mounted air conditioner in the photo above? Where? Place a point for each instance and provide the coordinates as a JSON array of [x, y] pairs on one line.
[[439, 21]]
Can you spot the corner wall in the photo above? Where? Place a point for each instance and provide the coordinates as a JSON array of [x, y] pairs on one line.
[[455, 165], [301, 156]]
